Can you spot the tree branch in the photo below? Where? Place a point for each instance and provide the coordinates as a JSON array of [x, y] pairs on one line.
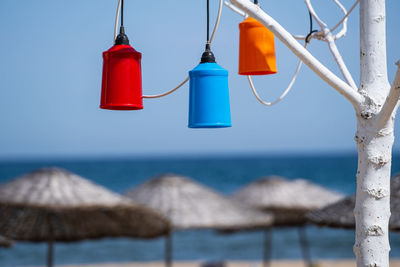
[[297, 37], [343, 20], [315, 35], [235, 9], [343, 31], [321, 24], [332, 45], [339, 61], [284, 36], [391, 103]]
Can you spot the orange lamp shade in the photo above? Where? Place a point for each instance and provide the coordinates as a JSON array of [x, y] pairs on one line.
[[256, 49]]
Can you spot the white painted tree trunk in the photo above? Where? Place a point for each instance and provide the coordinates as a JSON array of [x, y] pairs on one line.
[[374, 140], [375, 104], [372, 211]]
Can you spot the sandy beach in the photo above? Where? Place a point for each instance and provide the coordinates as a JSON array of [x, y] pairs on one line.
[[282, 263]]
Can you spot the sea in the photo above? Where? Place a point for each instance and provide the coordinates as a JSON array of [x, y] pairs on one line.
[[225, 174]]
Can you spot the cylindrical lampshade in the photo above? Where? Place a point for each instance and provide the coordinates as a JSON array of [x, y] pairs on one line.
[[209, 97], [122, 79], [256, 49]]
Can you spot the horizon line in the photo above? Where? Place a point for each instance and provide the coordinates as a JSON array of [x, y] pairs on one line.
[[177, 156]]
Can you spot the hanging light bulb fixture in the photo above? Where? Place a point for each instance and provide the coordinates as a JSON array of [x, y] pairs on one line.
[[256, 48], [208, 91], [122, 76]]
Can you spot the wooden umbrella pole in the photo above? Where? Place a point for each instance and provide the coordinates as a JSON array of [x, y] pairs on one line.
[[305, 248], [267, 247], [50, 253], [168, 250], [50, 243]]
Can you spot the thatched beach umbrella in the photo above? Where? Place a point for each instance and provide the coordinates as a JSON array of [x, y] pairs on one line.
[[336, 215], [190, 205], [341, 213], [4, 242], [288, 200], [51, 205]]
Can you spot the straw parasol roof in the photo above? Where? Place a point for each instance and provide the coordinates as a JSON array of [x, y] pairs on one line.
[[4, 242], [340, 214], [189, 204], [288, 200], [55, 205]]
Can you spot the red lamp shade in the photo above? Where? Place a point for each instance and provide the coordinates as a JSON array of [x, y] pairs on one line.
[[122, 79]]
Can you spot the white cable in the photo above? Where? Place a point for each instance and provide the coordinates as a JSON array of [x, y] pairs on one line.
[[116, 20], [345, 17], [284, 93], [216, 22], [187, 78], [169, 92], [343, 20], [343, 31]]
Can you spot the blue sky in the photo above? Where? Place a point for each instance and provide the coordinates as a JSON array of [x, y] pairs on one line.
[[51, 65]]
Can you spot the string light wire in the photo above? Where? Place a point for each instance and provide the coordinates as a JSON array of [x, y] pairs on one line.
[[210, 40], [345, 16], [208, 21], [284, 93], [296, 73]]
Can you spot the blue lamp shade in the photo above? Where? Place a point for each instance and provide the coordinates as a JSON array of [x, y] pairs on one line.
[[209, 97]]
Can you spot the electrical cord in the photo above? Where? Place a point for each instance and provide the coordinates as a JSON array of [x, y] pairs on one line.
[[345, 16], [311, 28], [210, 40], [283, 95], [208, 21], [216, 22], [122, 13]]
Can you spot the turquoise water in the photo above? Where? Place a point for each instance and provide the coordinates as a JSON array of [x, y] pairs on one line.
[[225, 175]]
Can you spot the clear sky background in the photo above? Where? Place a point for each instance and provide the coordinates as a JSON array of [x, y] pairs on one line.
[[51, 67]]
